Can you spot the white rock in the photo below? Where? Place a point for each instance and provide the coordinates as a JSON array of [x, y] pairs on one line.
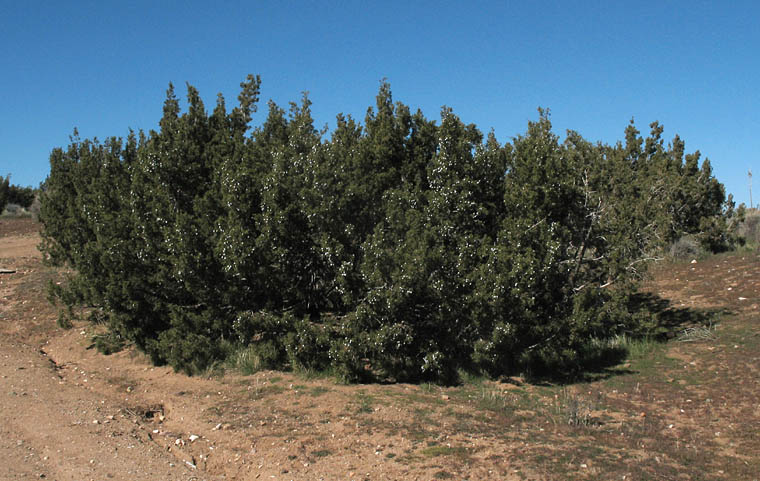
[[193, 437]]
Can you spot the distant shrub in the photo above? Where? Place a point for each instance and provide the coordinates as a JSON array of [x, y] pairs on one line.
[[749, 229], [15, 200], [686, 248], [4, 192], [23, 196], [15, 210]]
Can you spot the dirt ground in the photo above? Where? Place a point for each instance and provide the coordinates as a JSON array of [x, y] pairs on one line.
[[683, 409]]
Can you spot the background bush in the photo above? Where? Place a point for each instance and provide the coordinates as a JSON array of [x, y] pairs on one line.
[[16, 200], [749, 228], [686, 248], [397, 249]]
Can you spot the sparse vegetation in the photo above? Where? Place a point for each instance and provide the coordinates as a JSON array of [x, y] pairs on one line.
[[686, 248], [575, 410], [749, 228], [697, 333], [433, 451], [365, 403], [317, 391], [494, 400]]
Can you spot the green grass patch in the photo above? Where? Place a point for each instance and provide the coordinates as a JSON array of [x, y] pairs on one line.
[[364, 402], [435, 451], [317, 391]]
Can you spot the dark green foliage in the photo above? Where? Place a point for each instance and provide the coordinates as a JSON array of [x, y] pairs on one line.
[[4, 191], [403, 249], [23, 196], [308, 346], [109, 342]]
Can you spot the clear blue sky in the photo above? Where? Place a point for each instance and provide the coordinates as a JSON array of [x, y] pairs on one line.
[[104, 67]]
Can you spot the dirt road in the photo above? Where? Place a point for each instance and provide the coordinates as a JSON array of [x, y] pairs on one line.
[[51, 428], [55, 430]]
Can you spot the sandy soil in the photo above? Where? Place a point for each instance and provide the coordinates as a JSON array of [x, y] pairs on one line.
[[70, 413]]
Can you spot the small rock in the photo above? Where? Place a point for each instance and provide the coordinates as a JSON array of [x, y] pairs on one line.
[[445, 397], [693, 261], [643, 415], [217, 427], [193, 437], [129, 389]]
